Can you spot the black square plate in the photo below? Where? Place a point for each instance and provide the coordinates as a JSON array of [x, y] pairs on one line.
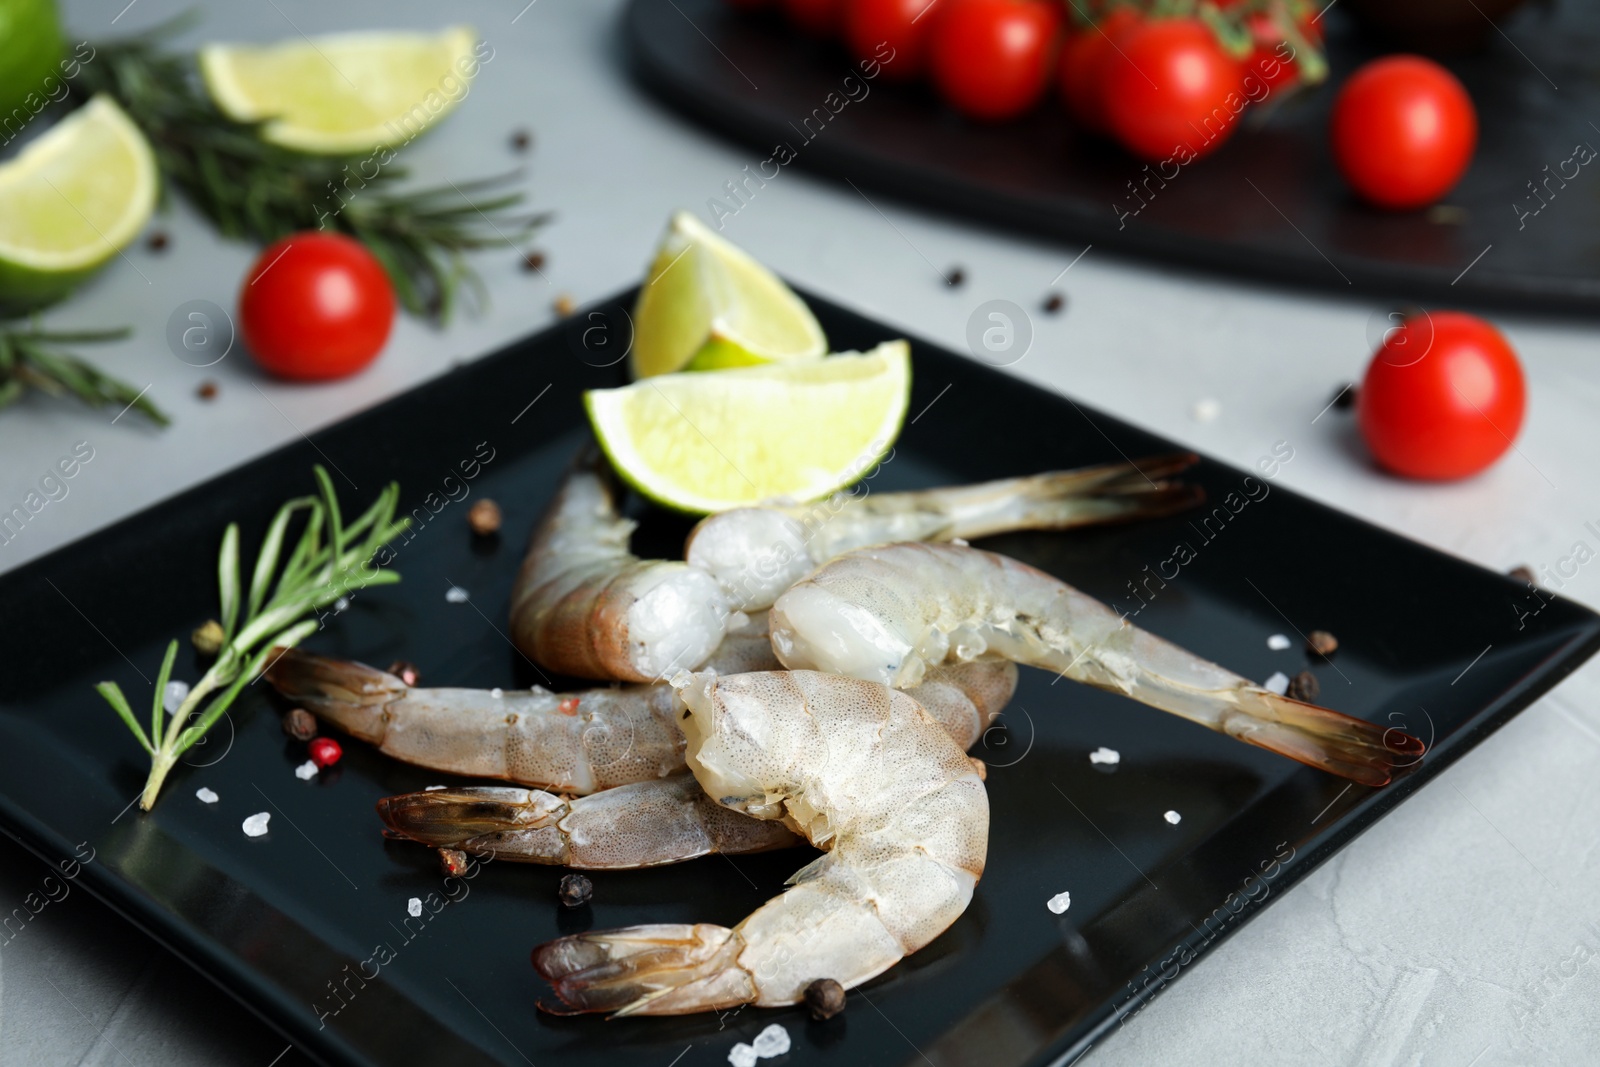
[[1268, 205], [287, 921]]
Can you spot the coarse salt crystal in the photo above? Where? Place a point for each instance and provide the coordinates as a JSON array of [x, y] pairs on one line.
[[414, 907], [773, 1041], [1278, 683], [497, 692], [1173, 817], [173, 696], [206, 796], [1059, 903], [341, 605], [743, 1055], [1278, 642], [1205, 410], [256, 825], [306, 771], [456, 595], [1105, 755]]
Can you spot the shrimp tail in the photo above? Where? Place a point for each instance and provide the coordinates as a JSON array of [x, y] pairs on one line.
[[1320, 737], [483, 820], [657, 969], [1114, 492], [348, 694]]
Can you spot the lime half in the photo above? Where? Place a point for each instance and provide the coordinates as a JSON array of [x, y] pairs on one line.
[[792, 431], [707, 304], [343, 93], [71, 200]]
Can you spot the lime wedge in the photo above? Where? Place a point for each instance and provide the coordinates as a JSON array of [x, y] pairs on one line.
[[707, 304], [792, 431], [71, 200], [343, 93]]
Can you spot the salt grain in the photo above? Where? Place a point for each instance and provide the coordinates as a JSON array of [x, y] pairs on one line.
[[743, 1055], [173, 696], [1278, 683], [306, 771], [1205, 410], [414, 907], [1111, 755], [1278, 642], [1059, 903], [456, 595], [341, 605], [206, 796], [256, 825], [1173, 817], [773, 1041], [497, 692]]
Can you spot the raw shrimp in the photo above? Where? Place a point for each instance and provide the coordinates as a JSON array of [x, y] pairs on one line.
[[658, 821], [860, 771], [574, 743], [888, 614], [582, 604], [757, 553], [642, 824]]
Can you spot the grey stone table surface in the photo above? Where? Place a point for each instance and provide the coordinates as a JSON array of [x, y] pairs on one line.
[[1461, 930]]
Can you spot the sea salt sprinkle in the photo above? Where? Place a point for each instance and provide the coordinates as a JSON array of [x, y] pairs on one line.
[[173, 696], [1173, 817], [1109, 755], [1278, 642], [1278, 683], [497, 692], [206, 796], [456, 595], [414, 907], [306, 771], [256, 825], [743, 1055], [1059, 903], [773, 1041]]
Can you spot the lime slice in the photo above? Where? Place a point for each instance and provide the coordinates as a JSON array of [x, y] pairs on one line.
[[71, 200], [707, 304], [31, 64], [792, 431], [343, 93]]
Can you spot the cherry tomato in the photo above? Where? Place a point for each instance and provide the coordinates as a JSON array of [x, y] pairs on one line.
[[874, 29], [315, 306], [1272, 58], [991, 58], [1403, 131], [820, 18], [1443, 397], [1172, 92], [1084, 61]]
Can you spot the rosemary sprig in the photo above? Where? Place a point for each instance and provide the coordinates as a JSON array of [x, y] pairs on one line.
[[253, 189], [28, 357], [317, 572]]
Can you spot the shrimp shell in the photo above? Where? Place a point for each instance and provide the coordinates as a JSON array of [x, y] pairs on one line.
[[888, 614], [860, 771]]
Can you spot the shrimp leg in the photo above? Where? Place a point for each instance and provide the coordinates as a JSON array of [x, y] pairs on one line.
[[664, 820], [860, 771], [887, 614], [756, 553]]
